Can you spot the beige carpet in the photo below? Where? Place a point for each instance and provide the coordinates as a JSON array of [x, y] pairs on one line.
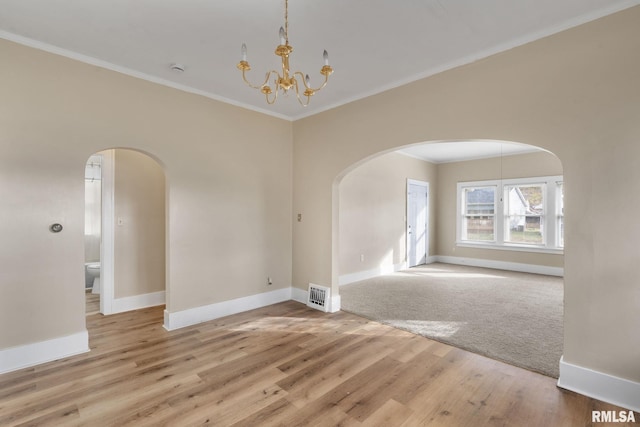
[[508, 316]]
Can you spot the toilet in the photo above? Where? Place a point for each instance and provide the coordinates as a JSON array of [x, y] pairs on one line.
[[92, 275]]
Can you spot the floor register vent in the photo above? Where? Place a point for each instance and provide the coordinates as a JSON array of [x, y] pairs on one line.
[[318, 297]]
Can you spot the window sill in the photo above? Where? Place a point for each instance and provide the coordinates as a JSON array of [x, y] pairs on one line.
[[511, 247]]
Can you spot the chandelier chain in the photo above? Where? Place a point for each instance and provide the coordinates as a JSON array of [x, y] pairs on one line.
[[286, 20]]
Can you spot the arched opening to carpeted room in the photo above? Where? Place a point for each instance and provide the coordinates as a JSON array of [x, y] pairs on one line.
[[458, 241]]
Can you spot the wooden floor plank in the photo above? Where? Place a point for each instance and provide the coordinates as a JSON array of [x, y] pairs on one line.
[[361, 395], [391, 413], [325, 375], [282, 365]]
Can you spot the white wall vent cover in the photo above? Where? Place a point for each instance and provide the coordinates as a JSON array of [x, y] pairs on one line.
[[319, 297]]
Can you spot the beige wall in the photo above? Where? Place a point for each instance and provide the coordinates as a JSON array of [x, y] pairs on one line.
[[372, 203], [576, 94], [229, 191], [520, 166], [139, 232]]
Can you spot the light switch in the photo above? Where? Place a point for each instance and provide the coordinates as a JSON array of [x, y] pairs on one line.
[[120, 221]]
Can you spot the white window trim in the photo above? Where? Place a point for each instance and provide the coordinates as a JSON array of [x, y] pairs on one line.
[[550, 216]]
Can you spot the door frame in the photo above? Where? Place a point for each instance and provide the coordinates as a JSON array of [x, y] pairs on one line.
[[107, 243], [426, 226]]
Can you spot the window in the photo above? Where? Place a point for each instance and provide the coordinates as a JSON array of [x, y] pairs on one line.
[[522, 214], [479, 211]]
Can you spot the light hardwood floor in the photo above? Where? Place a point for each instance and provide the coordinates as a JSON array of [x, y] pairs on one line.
[[92, 303], [284, 365]]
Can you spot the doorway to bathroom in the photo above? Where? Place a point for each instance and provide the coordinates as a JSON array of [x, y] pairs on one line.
[[127, 272]]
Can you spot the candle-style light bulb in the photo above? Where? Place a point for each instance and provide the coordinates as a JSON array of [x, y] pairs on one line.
[[243, 51], [307, 80], [283, 39], [325, 55]]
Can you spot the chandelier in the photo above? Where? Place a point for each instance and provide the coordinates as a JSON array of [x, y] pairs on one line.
[[287, 80]]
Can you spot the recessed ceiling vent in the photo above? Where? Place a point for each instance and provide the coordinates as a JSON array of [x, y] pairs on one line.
[[319, 297]]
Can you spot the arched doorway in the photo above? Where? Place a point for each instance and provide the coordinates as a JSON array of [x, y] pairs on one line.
[[372, 222]]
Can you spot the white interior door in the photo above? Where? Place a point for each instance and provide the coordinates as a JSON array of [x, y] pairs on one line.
[[417, 220]]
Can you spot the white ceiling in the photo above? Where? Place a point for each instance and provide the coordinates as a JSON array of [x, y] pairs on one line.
[[455, 151], [373, 45]]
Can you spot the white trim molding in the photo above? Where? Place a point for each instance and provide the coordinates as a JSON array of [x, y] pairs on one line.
[[502, 265], [136, 302], [299, 295], [24, 356], [601, 386], [335, 304], [107, 243], [193, 316], [345, 279]]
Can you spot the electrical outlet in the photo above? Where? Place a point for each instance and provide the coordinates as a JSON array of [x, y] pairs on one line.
[[361, 257]]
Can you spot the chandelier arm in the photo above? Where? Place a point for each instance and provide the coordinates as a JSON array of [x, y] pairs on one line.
[[274, 99], [302, 102], [266, 79], [302, 78], [298, 92], [304, 82], [326, 80]]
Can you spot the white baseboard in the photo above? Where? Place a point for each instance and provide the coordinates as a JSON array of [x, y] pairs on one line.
[[610, 389], [368, 274], [335, 304], [192, 316], [502, 265], [14, 358], [299, 295], [137, 302], [431, 259], [474, 262]]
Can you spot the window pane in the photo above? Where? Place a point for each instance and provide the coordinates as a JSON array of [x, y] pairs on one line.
[[477, 216], [479, 228], [560, 225], [528, 229], [525, 209], [561, 197], [479, 201], [561, 231]]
